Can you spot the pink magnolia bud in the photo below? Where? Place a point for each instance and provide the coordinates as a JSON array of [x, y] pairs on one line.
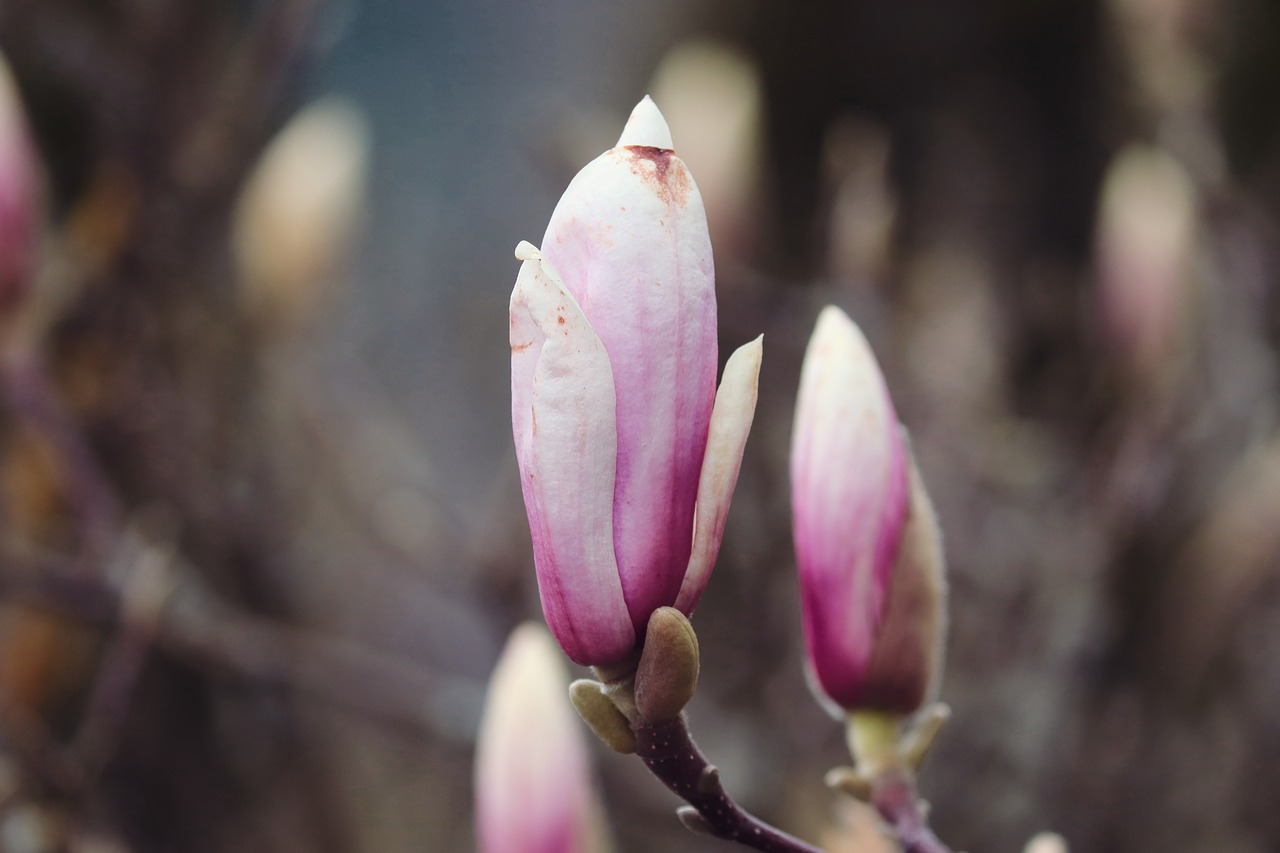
[[613, 361], [532, 782], [19, 198], [867, 545]]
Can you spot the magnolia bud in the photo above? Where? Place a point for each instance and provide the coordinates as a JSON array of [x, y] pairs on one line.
[[299, 212], [613, 361], [867, 544], [533, 791], [19, 200], [1046, 842], [1146, 236]]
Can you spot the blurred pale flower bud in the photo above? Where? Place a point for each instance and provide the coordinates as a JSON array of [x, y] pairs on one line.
[[711, 95], [1046, 842], [19, 199], [1146, 237], [532, 781], [299, 214], [867, 544], [863, 205], [628, 456]]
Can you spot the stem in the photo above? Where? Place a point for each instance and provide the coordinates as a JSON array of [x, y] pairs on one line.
[[669, 752], [894, 795], [884, 759]]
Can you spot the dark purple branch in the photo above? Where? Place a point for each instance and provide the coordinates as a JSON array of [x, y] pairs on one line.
[[670, 754], [894, 796]]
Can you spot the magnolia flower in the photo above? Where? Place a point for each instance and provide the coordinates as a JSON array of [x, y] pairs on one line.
[[626, 469], [867, 545], [19, 197], [532, 782]]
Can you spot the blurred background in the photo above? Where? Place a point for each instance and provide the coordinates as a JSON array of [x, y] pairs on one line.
[[262, 532]]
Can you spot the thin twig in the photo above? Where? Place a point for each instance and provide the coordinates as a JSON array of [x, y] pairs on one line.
[[669, 752], [200, 629], [894, 796]]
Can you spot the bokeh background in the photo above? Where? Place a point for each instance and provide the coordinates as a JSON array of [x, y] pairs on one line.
[[263, 538]]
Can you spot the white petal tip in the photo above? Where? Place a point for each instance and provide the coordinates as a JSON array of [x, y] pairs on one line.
[[835, 328], [646, 127], [749, 353], [526, 251], [832, 314]]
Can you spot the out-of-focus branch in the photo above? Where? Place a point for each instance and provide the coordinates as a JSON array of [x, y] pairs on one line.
[[199, 629]]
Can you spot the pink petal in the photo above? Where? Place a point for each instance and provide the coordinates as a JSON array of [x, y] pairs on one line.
[[20, 198], [562, 412], [735, 408], [532, 782], [905, 667], [849, 502], [630, 239]]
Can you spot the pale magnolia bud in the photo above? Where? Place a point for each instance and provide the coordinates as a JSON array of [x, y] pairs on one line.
[[613, 361], [533, 786], [1146, 238], [1046, 842], [299, 212], [19, 200], [710, 93], [867, 544]]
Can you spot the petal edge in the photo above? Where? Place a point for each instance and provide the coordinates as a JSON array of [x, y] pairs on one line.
[[563, 418], [731, 419]]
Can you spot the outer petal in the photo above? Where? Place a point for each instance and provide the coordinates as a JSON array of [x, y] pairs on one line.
[[630, 238], [19, 198], [905, 667], [735, 408], [849, 502], [562, 412], [533, 792]]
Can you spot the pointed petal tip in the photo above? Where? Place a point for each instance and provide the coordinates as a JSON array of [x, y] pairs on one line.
[[742, 370], [526, 251], [832, 318], [646, 127]]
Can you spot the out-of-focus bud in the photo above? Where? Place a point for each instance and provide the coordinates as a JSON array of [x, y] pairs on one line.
[[864, 206], [19, 200], [1046, 842], [533, 786], [1145, 255], [867, 543], [711, 95], [1222, 571], [621, 437], [299, 214]]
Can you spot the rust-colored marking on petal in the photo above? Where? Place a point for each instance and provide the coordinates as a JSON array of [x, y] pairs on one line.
[[672, 184]]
